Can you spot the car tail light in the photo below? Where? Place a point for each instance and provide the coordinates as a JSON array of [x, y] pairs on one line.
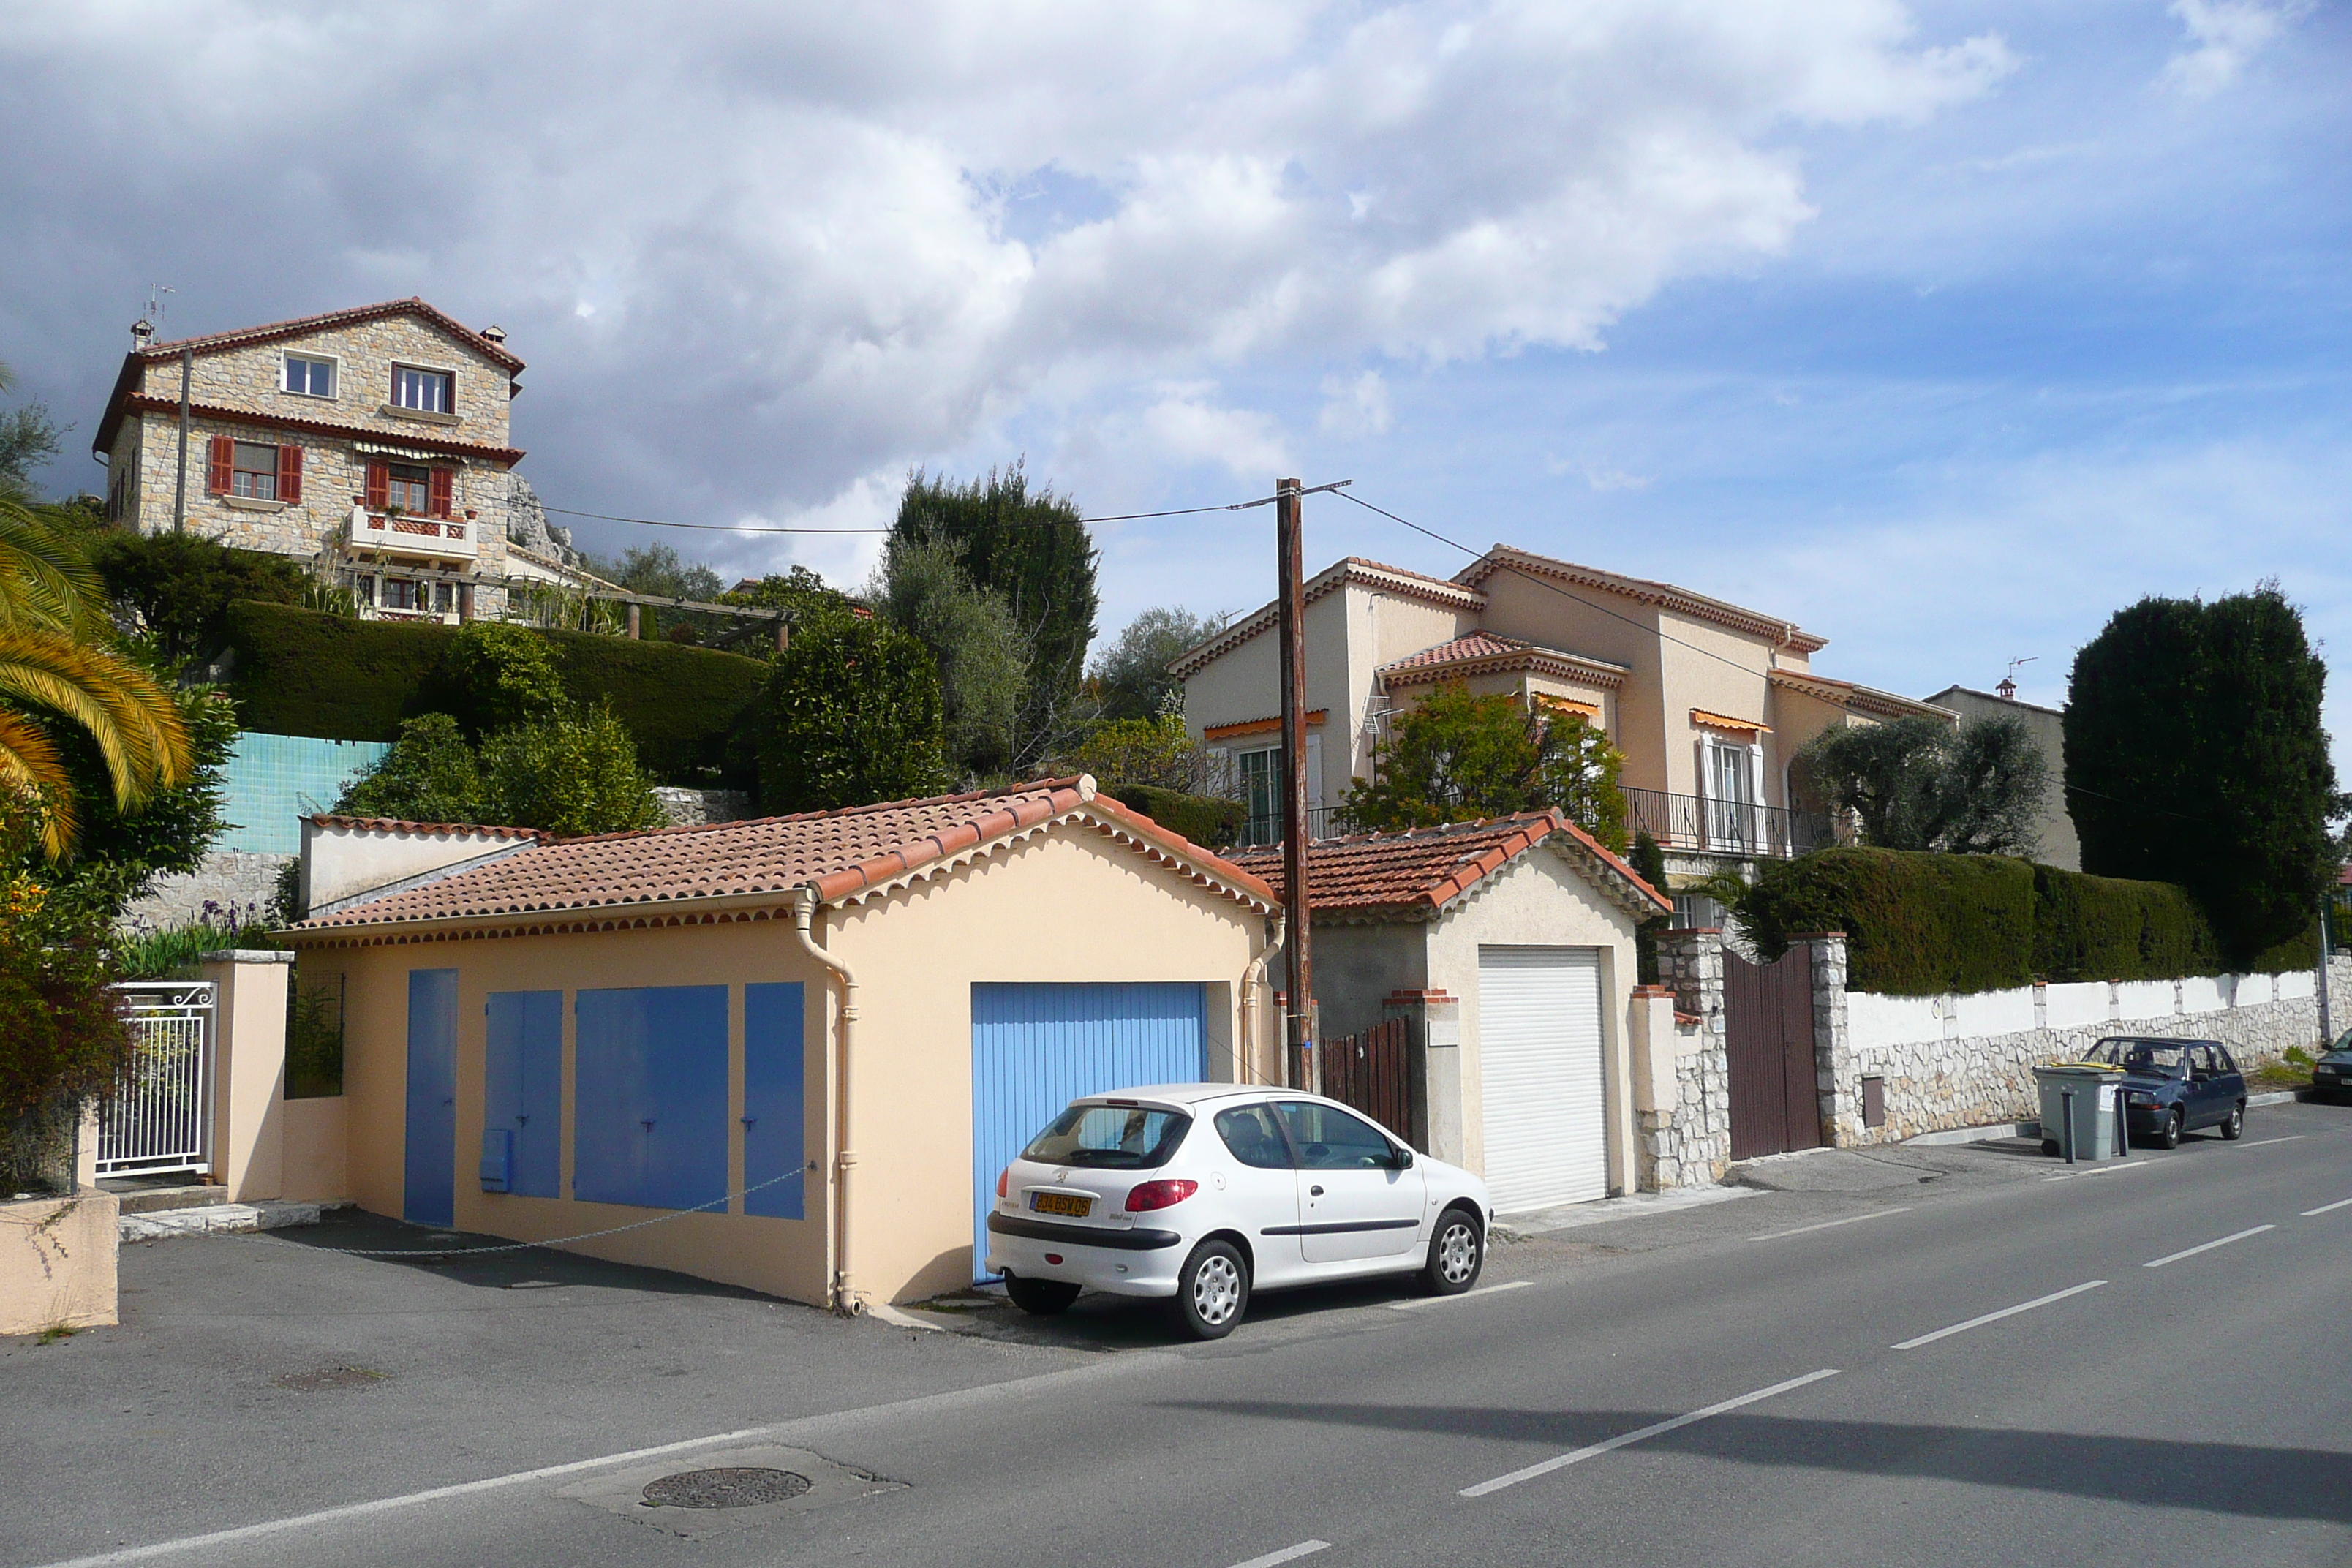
[[1159, 1194], [1003, 1179]]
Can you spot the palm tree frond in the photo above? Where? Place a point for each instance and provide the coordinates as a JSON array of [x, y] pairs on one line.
[[136, 725], [30, 764]]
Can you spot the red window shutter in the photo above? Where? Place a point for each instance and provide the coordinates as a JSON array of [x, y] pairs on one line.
[[290, 473], [221, 458], [379, 486], [437, 494]]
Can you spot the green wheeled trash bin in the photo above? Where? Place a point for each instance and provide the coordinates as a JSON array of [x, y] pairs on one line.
[[2085, 1100]]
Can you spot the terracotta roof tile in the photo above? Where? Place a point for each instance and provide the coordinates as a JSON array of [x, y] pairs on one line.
[[1477, 645], [840, 852], [401, 825], [1424, 869]]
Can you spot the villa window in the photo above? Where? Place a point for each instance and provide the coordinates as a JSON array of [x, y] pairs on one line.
[[252, 470], [308, 376], [425, 391]]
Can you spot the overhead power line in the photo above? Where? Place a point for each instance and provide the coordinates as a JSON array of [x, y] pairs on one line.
[[1040, 522]]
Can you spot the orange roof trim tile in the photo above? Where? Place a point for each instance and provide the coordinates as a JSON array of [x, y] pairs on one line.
[[1415, 874], [401, 825], [1725, 722], [1257, 726], [758, 869]]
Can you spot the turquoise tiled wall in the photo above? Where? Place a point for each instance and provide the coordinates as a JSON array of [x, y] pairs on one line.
[[275, 781]]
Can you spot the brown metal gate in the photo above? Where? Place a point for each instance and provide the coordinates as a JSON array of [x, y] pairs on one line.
[[1768, 1019], [1372, 1072]]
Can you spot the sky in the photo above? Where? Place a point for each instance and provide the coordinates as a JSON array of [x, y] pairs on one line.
[[1943, 330]]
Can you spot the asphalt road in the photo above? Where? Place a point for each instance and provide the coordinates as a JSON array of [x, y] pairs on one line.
[[1982, 1366]]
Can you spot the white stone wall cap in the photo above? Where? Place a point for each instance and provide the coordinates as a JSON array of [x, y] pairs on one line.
[[248, 955]]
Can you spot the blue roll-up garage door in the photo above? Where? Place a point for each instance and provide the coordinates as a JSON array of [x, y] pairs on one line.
[[1034, 1049]]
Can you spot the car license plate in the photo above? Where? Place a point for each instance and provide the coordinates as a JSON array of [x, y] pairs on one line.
[[1068, 1204]]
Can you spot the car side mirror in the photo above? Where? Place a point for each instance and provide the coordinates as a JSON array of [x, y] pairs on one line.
[[1400, 1158]]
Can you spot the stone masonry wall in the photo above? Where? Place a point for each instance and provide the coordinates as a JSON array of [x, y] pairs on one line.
[[1974, 1081], [1690, 1144], [694, 807], [228, 883]]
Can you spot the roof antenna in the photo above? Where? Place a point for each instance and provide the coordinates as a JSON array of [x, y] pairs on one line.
[[143, 333], [2007, 690]]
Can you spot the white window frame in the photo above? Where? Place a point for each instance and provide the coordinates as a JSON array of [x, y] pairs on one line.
[[392, 393], [334, 363], [1724, 830]]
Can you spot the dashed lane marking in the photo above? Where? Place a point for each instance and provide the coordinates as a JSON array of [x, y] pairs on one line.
[[2328, 1208], [1828, 1224], [1287, 1554], [1641, 1435], [2208, 1247], [1996, 1316], [1467, 1295]]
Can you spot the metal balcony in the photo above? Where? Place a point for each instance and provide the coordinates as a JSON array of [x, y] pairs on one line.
[[1728, 827]]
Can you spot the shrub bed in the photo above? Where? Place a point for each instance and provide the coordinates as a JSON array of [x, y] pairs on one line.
[[300, 672], [1211, 822]]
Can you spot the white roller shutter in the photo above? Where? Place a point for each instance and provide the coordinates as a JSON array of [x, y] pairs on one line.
[[1540, 1053]]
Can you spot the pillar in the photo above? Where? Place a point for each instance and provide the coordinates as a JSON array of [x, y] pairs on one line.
[[1433, 1020], [249, 988]]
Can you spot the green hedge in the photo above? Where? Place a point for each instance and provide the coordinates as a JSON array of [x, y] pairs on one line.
[[1922, 925], [1916, 924], [300, 672], [1211, 822]]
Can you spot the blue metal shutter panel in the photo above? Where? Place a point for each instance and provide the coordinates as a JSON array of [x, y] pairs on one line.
[[650, 1104], [774, 1116], [429, 1151], [522, 1085], [1034, 1049]]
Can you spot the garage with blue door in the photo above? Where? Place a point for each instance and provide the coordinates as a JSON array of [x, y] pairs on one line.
[[1034, 1049]]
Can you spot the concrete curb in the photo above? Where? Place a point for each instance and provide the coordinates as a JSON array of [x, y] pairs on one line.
[[1604, 1211], [2033, 1129], [223, 1219]]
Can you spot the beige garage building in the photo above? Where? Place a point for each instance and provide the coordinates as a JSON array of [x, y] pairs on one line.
[[804, 1044]]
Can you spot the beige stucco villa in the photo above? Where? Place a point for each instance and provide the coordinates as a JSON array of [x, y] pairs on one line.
[[1707, 700], [813, 1040], [1507, 947]]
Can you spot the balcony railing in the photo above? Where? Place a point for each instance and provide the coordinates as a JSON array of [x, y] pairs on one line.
[[1728, 826], [1322, 822], [435, 537]]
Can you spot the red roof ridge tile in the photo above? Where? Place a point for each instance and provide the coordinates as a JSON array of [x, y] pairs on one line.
[[402, 824]]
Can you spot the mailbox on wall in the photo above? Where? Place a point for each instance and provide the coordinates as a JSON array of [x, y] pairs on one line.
[[498, 1160]]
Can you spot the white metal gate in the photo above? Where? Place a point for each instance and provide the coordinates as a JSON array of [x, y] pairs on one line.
[[161, 1117]]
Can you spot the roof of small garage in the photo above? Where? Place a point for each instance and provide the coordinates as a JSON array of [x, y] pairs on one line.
[[673, 874], [1414, 874]]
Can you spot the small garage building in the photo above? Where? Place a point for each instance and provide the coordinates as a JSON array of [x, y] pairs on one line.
[[813, 1040], [1508, 947]]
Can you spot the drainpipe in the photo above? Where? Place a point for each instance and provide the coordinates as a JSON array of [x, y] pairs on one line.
[[844, 1299], [1253, 978]]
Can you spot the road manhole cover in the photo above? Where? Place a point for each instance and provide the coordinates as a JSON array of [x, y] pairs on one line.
[[741, 1487], [328, 1377]]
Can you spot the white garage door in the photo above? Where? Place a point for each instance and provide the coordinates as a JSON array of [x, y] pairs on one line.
[[1539, 1049]]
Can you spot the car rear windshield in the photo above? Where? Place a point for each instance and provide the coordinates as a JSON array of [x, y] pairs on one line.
[[2139, 1055], [1114, 1137]]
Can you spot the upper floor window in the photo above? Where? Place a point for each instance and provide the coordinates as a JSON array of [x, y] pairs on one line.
[[404, 487], [309, 377], [425, 391], [252, 470]]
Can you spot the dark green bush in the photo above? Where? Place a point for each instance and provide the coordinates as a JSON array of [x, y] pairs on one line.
[[1924, 924], [1207, 821], [1916, 924], [300, 672], [2106, 927]]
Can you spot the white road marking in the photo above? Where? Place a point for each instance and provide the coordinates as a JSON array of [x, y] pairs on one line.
[[2209, 1246], [1467, 1295], [1827, 1224], [2260, 1142], [2117, 1169], [2328, 1208], [1996, 1316], [1642, 1434], [1287, 1554]]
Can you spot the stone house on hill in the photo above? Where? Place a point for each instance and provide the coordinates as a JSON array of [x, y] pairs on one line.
[[371, 444]]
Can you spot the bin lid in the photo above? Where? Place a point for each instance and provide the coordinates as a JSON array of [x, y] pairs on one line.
[[2078, 1069]]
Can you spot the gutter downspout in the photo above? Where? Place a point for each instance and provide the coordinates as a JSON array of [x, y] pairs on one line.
[[805, 908], [1253, 978]]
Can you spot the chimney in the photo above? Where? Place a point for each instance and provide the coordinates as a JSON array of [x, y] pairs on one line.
[[2007, 690], [143, 331], [494, 334]]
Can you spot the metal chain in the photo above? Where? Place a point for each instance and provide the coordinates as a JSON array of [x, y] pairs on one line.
[[552, 1240]]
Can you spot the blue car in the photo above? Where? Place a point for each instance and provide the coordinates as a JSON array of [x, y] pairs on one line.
[[2331, 1076], [2172, 1087]]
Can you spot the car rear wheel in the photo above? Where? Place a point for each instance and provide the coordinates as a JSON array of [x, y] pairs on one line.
[[1212, 1290], [2235, 1128], [2171, 1136], [1457, 1254], [1040, 1298], [2050, 1146]]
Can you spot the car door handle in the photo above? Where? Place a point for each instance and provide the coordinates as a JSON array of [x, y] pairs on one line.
[[1314, 1191]]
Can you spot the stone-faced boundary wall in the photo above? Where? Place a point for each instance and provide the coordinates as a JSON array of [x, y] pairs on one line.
[[1684, 1137], [1968, 1060]]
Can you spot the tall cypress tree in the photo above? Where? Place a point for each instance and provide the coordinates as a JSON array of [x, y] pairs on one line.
[[2195, 755], [1034, 550]]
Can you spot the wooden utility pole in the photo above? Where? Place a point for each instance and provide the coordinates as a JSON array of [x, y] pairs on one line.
[[1297, 972], [180, 489]]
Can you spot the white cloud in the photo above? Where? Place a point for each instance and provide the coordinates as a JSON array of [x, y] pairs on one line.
[[1603, 480], [1186, 428], [1353, 410], [2223, 34], [758, 255]]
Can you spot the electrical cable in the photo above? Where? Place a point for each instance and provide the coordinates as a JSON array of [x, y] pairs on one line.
[[769, 528]]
